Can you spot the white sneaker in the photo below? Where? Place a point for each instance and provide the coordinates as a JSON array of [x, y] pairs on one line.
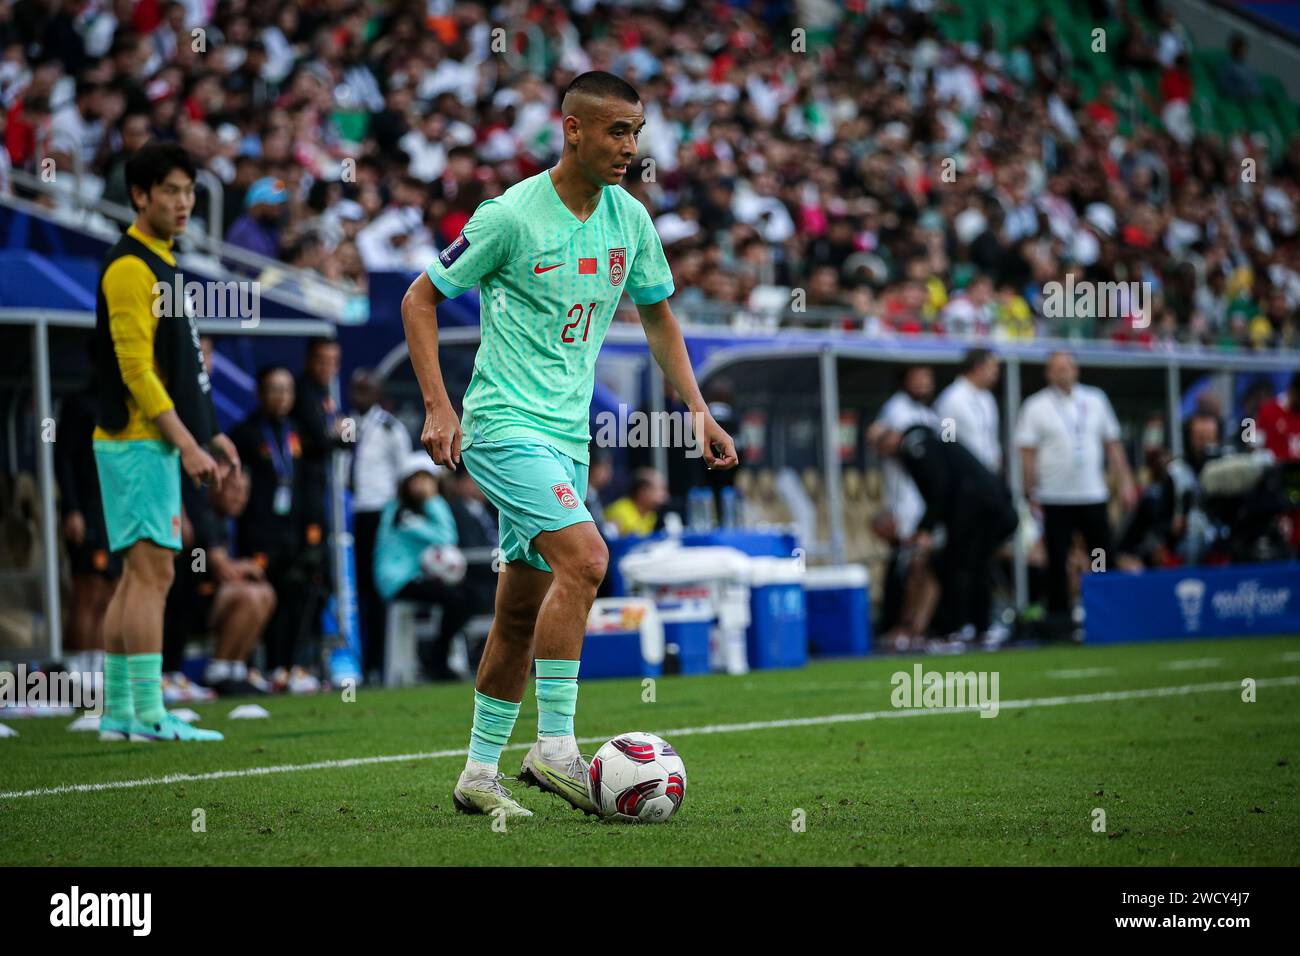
[[302, 681], [484, 794], [179, 689], [565, 776]]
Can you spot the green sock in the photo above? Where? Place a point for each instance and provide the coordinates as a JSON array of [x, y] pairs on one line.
[[557, 697], [146, 687], [493, 721], [117, 688]]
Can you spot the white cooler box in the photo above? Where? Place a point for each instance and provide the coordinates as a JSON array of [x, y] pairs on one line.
[[683, 581]]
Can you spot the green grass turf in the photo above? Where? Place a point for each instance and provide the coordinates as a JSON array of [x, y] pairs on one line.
[[1196, 779]]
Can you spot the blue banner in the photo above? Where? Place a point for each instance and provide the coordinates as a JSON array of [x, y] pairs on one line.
[[1238, 600]]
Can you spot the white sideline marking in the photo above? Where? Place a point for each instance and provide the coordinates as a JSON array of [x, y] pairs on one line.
[[1100, 697], [1192, 664], [1081, 672]]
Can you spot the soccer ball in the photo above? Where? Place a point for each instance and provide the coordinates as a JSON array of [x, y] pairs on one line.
[[637, 776], [444, 562]]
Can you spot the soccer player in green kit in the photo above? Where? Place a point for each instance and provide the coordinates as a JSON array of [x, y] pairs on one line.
[[551, 256]]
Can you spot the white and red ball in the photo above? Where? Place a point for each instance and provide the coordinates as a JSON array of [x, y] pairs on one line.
[[445, 562], [637, 777]]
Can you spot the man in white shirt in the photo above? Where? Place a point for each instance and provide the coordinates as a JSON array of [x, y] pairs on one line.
[[910, 586], [909, 406], [968, 412], [382, 446], [972, 312], [968, 408], [1067, 433], [77, 129], [397, 239]]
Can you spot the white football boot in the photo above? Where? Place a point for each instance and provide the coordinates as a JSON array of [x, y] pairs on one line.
[[483, 793], [564, 775]]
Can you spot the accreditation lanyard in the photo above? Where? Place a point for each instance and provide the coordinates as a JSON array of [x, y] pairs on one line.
[[1076, 423], [282, 462]]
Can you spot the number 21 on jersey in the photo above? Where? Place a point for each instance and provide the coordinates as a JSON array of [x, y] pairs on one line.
[[578, 310]]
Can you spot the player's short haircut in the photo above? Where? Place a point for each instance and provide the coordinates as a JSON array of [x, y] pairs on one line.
[[600, 85], [153, 162], [974, 359], [319, 341]]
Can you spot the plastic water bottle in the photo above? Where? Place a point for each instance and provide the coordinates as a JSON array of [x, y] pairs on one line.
[[700, 514], [730, 508]]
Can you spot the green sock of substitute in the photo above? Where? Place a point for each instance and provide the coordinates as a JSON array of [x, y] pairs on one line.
[[146, 687], [557, 697], [117, 688], [493, 721]]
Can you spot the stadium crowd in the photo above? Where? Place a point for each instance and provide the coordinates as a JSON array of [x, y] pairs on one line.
[[904, 183]]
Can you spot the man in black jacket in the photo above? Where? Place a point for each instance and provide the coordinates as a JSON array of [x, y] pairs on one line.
[[319, 425], [968, 502], [280, 528]]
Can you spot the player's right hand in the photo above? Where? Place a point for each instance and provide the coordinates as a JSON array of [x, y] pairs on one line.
[[200, 466], [441, 436]]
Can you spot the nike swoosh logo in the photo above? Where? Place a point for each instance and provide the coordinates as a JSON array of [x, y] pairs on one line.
[[561, 780], [538, 270]]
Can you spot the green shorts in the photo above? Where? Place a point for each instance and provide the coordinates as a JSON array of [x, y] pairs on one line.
[[534, 488], [140, 485]]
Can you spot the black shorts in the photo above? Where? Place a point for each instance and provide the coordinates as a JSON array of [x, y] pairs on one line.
[[93, 557], [190, 600]]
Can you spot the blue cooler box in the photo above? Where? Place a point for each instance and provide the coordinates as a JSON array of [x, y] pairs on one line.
[[778, 618], [688, 626], [839, 610], [614, 647]]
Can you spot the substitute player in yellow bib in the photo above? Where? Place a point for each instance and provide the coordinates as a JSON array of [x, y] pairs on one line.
[[551, 257], [154, 418]]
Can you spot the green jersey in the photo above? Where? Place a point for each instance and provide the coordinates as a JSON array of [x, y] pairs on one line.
[[548, 287]]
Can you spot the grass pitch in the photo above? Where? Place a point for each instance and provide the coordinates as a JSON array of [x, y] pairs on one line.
[[1157, 736]]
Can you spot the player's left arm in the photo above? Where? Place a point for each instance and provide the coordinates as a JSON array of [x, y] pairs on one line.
[[664, 335], [649, 285]]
